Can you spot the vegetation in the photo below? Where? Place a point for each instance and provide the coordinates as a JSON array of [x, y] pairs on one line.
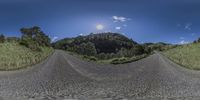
[[123, 60], [160, 46], [87, 48], [102, 42], [2, 38], [197, 41], [103, 47], [31, 48], [12, 39], [116, 60], [187, 55], [15, 56], [34, 38]]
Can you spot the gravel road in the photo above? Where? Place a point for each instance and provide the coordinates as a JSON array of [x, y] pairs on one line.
[[63, 76]]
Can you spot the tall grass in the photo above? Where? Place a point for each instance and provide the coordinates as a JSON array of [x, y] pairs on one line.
[[13, 56], [186, 55], [120, 60]]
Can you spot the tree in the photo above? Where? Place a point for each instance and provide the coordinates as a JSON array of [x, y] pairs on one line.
[[33, 38], [86, 49], [147, 49], [102, 56], [195, 41], [137, 50], [198, 40], [2, 38], [123, 52]]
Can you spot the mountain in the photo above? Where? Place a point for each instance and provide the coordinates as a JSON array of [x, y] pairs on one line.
[[103, 42]]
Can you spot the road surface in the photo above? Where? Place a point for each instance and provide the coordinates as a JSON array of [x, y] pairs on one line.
[[63, 76]]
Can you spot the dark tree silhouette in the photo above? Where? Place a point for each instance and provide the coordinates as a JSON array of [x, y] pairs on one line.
[[2, 38], [33, 38]]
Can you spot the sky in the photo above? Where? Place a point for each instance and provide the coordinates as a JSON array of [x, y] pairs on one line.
[[171, 21]]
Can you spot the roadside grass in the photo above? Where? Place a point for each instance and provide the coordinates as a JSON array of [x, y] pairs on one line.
[[187, 55], [13, 56], [121, 60]]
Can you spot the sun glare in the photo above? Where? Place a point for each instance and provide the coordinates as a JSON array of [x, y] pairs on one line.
[[99, 27]]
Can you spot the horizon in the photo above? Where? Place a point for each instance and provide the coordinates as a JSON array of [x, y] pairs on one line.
[[174, 22]]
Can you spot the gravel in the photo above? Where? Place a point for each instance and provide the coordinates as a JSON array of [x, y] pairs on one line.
[[65, 77]]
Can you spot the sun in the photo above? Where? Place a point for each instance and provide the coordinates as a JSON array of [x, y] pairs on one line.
[[99, 27]]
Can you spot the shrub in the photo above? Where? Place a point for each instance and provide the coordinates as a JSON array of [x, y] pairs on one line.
[[2, 38], [120, 60], [12, 39], [33, 38], [86, 49], [91, 58]]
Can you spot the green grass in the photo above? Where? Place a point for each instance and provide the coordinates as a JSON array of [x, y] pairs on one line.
[[13, 56], [121, 60], [186, 55]]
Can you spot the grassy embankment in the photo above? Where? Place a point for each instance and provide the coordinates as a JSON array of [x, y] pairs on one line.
[[123, 60], [13, 56], [120, 60], [186, 55]]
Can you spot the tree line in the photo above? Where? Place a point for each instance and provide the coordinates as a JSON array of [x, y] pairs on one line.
[[102, 45], [32, 38], [197, 41], [8, 39]]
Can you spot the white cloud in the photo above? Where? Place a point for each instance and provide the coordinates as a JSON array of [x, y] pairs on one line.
[[81, 34], [120, 19], [183, 42], [54, 39], [118, 28], [188, 26]]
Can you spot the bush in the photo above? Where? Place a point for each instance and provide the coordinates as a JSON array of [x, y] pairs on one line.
[[91, 58], [30, 44], [2, 38], [33, 38], [86, 49], [120, 60], [123, 60]]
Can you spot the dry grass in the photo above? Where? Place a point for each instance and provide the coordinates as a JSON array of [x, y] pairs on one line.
[[186, 55], [14, 56]]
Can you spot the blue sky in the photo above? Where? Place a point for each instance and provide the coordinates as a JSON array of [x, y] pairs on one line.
[[172, 21]]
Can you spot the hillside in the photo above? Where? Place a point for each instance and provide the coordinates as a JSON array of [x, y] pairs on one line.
[[32, 47], [186, 55], [101, 46], [103, 42], [15, 56]]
